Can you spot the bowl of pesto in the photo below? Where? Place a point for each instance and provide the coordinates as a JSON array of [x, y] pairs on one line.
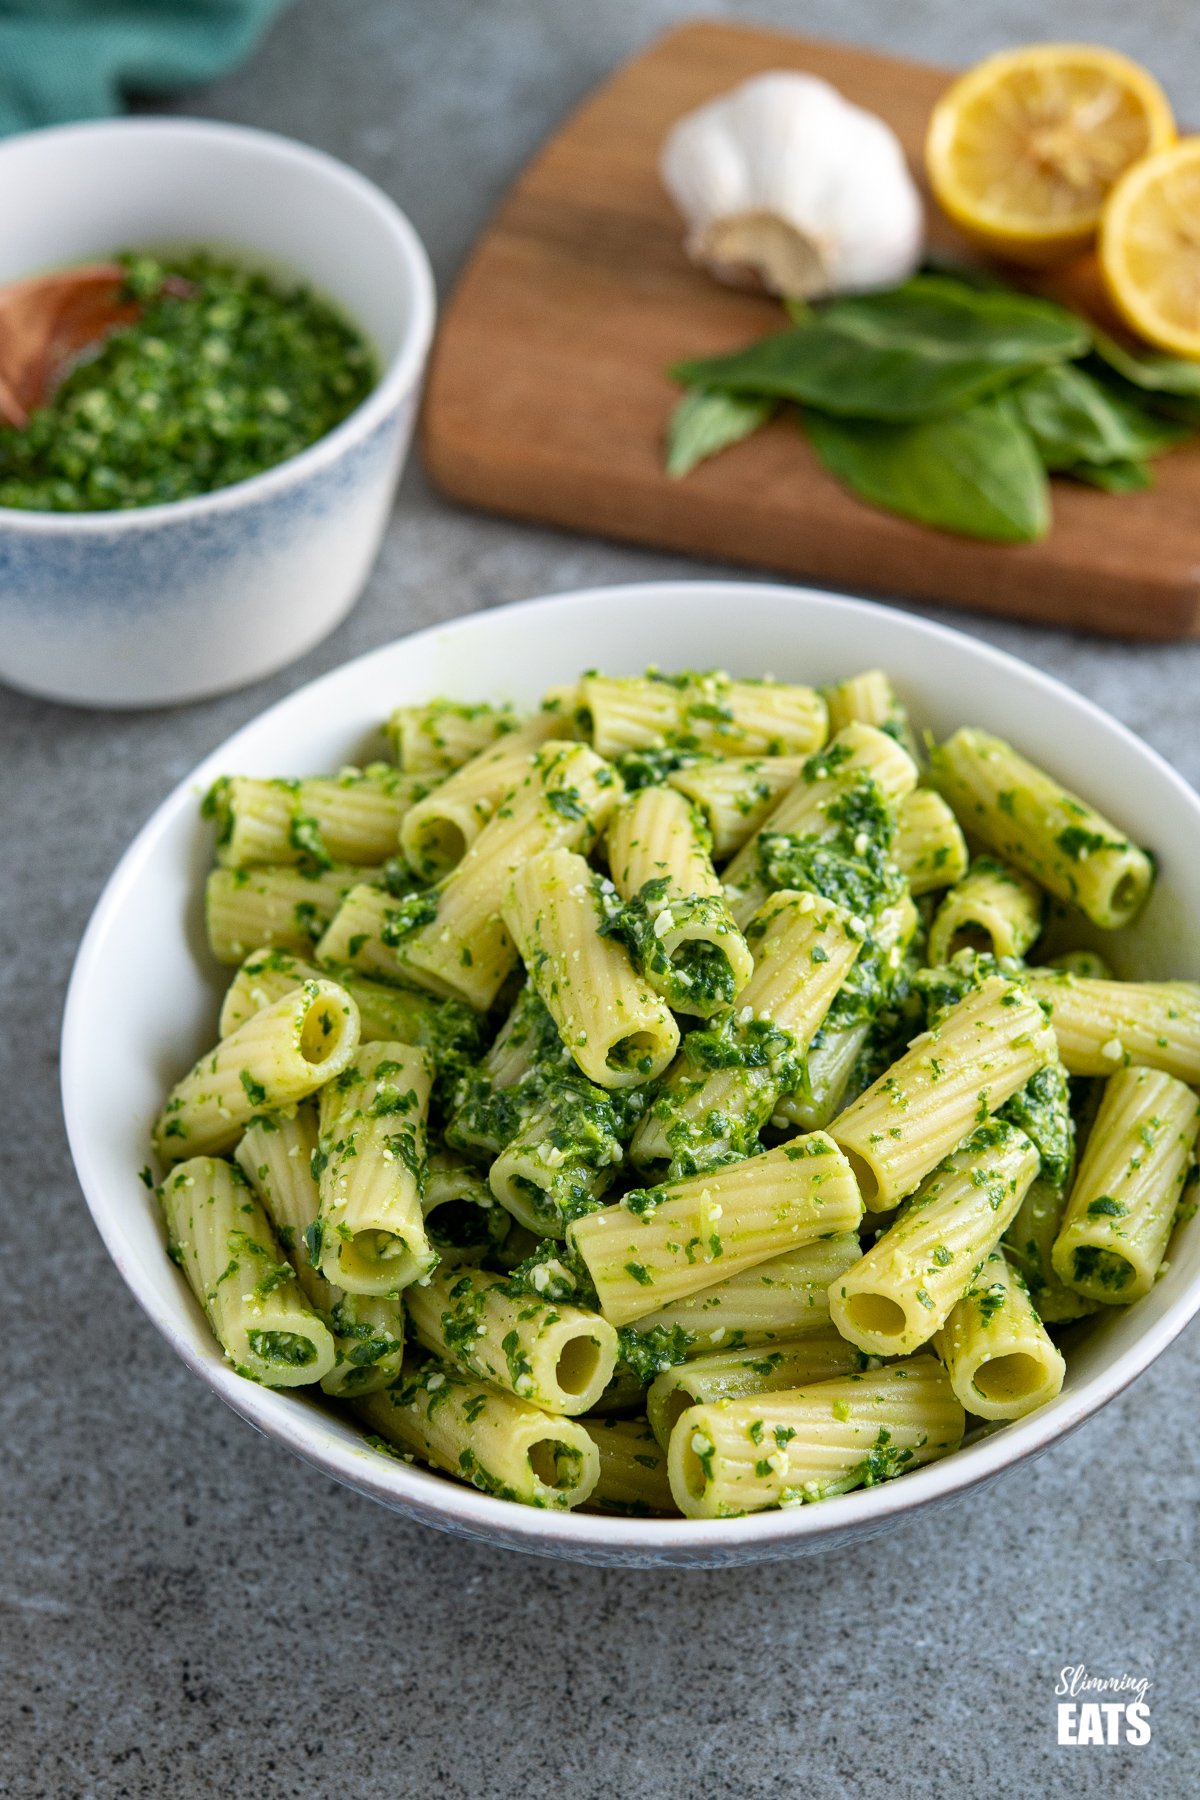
[[561, 1045], [201, 494]]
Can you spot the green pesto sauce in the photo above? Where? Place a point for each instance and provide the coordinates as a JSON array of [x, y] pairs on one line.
[[201, 390]]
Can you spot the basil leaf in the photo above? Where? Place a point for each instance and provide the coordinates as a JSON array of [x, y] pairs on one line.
[[968, 274], [1075, 418], [921, 350], [1113, 477], [976, 472], [1148, 369], [705, 422]]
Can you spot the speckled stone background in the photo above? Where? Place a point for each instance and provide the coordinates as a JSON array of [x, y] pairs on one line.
[[185, 1611]]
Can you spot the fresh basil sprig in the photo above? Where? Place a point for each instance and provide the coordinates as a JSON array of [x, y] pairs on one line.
[[946, 400], [1074, 417], [923, 349], [973, 471], [706, 421]]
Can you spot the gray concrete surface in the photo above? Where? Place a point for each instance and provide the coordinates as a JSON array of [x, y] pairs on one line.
[[185, 1611]]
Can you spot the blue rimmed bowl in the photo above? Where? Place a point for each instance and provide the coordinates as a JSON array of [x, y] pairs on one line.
[[162, 604]]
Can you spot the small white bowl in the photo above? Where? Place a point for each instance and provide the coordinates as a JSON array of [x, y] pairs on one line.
[[144, 996], [168, 603]]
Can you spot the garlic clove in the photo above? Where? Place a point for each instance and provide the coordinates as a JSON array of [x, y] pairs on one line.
[[786, 185]]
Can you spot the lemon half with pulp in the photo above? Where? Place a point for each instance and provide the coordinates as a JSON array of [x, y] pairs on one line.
[[1024, 149], [1150, 248]]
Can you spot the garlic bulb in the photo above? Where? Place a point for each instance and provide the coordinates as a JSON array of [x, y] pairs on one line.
[[784, 183]]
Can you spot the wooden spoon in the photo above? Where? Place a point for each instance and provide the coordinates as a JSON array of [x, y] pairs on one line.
[[48, 320]]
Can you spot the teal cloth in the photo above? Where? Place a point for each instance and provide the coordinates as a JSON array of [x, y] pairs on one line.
[[81, 59]]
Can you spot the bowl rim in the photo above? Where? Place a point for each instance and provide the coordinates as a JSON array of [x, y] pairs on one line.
[[400, 376], [440, 1501]]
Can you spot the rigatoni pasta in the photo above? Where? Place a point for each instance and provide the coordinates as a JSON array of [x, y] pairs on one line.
[[353, 817], [702, 712], [1025, 816], [279, 1056], [499, 1144], [276, 1156], [451, 939], [558, 1356], [808, 1443], [1121, 1208], [438, 737], [662, 1243], [283, 907], [1001, 1360], [958, 1072], [904, 1288], [504, 1446], [765, 1369], [618, 1029], [221, 1238], [369, 1235], [993, 909], [930, 851], [673, 918]]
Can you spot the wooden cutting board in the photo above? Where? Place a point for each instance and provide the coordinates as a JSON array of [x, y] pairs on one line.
[[547, 398]]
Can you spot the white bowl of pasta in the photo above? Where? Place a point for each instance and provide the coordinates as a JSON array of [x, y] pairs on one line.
[[536, 1163]]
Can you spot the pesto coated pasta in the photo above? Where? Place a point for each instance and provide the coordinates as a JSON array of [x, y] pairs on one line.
[[665, 1103]]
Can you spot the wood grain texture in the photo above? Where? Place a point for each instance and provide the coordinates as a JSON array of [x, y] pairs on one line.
[[547, 398]]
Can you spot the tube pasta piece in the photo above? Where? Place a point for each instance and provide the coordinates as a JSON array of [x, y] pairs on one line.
[[770, 1303], [1121, 1209], [564, 1155], [1088, 964], [452, 939], [438, 830], [993, 909], [353, 817], [1001, 1360], [557, 1356], [384, 1013], [810, 1443], [274, 908], [834, 1054], [442, 735], [527, 1037], [736, 794], [729, 1374], [653, 835], [463, 1219], [370, 1235], [811, 806], [276, 1156], [633, 1470], [1102, 1026], [1028, 1247], [930, 849], [1042, 1109], [725, 1085], [674, 919], [903, 1290], [625, 1393], [663, 1243], [221, 1238], [870, 699], [279, 1056], [986, 1047], [702, 712], [503, 1446], [619, 1031], [1022, 814]]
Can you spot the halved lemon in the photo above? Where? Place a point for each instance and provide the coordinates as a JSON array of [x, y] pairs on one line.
[[1024, 148], [1150, 248]]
